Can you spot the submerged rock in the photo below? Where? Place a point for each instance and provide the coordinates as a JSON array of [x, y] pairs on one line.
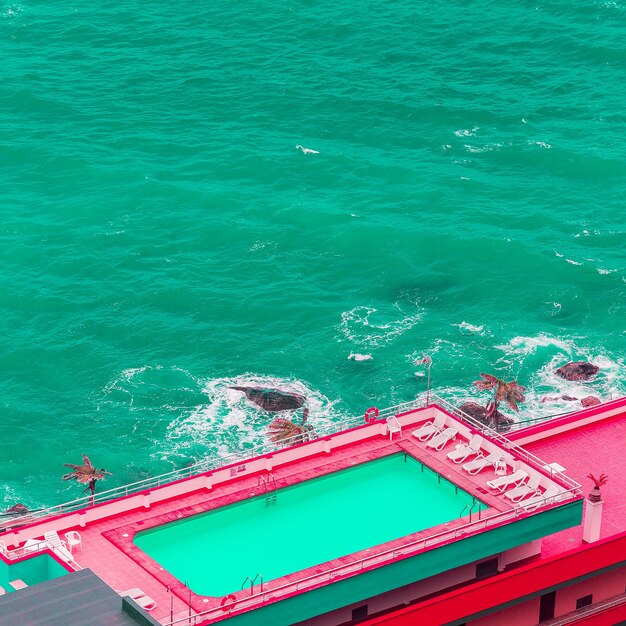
[[273, 400], [590, 401], [578, 370]]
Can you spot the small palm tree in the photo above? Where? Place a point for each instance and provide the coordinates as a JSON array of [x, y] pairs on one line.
[[511, 393], [282, 429], [86, 474], [600, 481]]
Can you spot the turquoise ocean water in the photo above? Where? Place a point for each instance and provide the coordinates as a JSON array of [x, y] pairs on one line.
[[198, 195]]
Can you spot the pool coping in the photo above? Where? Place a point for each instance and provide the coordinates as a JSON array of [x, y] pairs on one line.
[[123, 536]]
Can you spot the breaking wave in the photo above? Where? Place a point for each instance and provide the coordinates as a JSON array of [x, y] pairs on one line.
[[367, 326], [226, 422]]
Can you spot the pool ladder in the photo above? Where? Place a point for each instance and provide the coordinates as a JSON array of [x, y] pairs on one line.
[[252, 582], [469, 508], [269, 487]]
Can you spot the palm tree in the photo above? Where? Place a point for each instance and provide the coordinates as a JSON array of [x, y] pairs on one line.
[[285, 430], [86, 474], [511, 393]]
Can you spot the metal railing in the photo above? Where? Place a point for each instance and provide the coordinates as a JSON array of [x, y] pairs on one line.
[[33, 549], [208, 465], [506, 444], [581, 614], [200, 467]]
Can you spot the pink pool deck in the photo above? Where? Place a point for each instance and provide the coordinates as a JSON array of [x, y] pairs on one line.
[[591, 441], [108, 529]]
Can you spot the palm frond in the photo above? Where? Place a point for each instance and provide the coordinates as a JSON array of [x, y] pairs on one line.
[[488, 382]]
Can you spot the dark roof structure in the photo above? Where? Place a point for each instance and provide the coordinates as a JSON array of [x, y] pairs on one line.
[[78, 599]]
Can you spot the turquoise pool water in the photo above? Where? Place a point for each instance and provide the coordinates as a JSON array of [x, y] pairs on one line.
[[32, 571], [310, 523]]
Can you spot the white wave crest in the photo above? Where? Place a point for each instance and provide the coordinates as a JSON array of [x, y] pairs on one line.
[[355, 356], [306, 150], [528, 345], [363, 326], [469, 327], [227, 422], [464, 132], [153, 386]]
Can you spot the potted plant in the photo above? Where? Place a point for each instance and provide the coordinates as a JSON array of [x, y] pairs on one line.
[[596, 495]]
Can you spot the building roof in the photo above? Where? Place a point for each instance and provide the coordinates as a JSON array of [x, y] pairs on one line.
[[78, 599], [584, 445], [108, 530]]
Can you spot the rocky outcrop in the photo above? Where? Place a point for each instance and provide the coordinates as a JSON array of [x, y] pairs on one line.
[[479, 413], [590, 401], [578, 370], [273, 400], [17, 509]]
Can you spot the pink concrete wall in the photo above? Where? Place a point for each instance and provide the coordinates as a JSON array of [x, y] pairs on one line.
[[602, 587], [556, 426], [524, 614]]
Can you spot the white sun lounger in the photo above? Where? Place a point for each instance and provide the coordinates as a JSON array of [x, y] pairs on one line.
[[466, 450], [57, 545], [430, 429], [541, 499], [439, 441], [143, 600], [527, 488], [504, 482], [477, 465]]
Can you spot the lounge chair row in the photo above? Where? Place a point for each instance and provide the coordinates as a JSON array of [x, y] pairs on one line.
[[437, 435], [519, 487]]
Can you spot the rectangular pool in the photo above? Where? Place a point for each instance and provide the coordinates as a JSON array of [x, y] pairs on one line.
[[310, 523]]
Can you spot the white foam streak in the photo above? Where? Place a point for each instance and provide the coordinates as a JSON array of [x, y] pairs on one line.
[[363, 325], [469, 327], [306, 150]]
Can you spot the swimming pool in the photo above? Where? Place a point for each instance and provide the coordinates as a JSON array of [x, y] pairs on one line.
[[34, 570], [310, 523]]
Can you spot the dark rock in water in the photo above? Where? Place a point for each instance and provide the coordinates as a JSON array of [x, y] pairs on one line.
[[18, 509], [578, 370], [556, 398], [273, 399], [550, 398], [479, 413], [590, 401]]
